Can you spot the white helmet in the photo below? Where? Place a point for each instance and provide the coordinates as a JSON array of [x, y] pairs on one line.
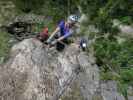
[[73, 18]]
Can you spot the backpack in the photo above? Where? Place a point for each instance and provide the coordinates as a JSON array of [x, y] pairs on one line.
[[43, 36], [44, 33]]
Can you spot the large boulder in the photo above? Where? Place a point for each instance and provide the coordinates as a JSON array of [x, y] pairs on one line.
[[35, 72]]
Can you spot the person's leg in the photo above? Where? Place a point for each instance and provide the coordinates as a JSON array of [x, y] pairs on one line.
[[57, 35], [60, 46], [65, 41]]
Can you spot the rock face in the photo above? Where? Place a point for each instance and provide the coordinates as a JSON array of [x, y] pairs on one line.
[[35, 73], [109, 91], [130, 93], [29, 18], [124, 29]]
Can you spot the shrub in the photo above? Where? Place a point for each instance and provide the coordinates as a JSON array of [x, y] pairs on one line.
[[112, 54], [115, 61], [4, 45]]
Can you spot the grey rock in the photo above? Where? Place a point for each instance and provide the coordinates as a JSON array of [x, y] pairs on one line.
[[30, 18], [124, 29], [35, 72], [32, 74], [109, 91], [130, 93]]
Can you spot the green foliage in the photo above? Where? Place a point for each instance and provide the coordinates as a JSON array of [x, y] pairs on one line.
[[47, 23], [122, 88], [115, 60], [126, 79], [114, 55], [28, 5], [108, 75], [126, 76], [4, 45], [57, 9], [126, 20], [102, 12]]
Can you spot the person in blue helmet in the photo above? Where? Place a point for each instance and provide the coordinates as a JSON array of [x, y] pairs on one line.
[[63, 31]]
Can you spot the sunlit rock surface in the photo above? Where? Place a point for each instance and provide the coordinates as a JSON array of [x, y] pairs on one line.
[[35, 72]]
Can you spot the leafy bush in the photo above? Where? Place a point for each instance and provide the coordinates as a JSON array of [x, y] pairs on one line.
[[126, 20], [126, 76], [115, 60], [102, 12], [58, 9], [4, 45], [47, 23], [122, 88], [28, 5], [114, 55]]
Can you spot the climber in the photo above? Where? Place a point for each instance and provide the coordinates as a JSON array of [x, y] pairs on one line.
[[83, 44], [63, 31]]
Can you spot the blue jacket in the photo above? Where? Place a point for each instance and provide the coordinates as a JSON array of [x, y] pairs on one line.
[[64, 30]]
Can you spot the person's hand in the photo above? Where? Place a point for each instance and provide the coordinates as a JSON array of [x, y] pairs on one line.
[[60, 39], [54, 42]]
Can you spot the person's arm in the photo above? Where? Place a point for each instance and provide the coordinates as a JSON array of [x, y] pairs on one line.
[[61, 38], [65, 36], [53, 34], [60, 25], [55, 31]]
